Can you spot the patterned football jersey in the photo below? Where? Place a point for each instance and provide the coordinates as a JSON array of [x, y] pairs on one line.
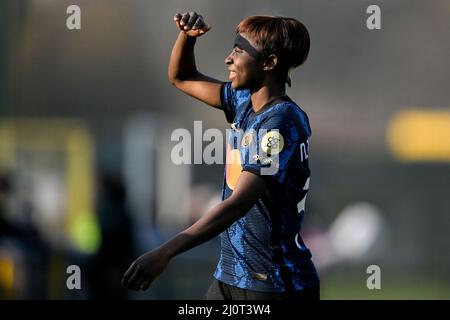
[[263, 250]]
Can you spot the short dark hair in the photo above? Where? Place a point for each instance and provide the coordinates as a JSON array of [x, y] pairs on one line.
[[287, 38]]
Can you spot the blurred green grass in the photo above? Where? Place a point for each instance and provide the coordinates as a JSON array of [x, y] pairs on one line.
[[398, 288]]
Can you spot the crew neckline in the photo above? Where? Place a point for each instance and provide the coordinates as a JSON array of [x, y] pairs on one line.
[[277, 100]]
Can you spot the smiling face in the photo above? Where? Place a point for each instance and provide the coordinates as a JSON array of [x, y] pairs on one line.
[[284, 41], [245, 64]]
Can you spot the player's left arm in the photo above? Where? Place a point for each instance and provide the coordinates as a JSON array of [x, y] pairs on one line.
[[147, 267]]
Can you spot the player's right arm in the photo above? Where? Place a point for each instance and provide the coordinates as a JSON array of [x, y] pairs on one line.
[[144, 270], [183, 72]]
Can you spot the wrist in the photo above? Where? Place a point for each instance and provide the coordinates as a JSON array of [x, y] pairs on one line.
[[167, 249], [187, 37]]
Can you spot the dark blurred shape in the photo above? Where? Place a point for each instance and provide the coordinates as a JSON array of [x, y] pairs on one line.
[[22, 238], [116, 249], [5, 188], [24, 231]]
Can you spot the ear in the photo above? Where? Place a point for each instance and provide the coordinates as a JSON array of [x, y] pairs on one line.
[[271, 62]]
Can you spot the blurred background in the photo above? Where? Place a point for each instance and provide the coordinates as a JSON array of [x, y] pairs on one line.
[[86, 118]]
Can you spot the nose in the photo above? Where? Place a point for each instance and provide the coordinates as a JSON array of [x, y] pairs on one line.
[[229, 59]]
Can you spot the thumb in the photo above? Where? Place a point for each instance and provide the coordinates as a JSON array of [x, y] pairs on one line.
[[146, 284]]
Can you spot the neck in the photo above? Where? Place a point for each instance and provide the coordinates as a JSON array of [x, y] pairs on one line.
[[261, 96]]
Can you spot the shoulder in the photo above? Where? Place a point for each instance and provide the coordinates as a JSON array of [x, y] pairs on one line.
[[288, 113]]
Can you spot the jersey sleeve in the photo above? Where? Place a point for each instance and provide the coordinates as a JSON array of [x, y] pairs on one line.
[[233, 101], [228, 101], [277, 143]]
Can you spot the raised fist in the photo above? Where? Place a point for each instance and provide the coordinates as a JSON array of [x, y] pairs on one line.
[[191, 23]]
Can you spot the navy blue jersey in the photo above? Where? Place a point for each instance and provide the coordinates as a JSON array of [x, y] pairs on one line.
[[263, 250]]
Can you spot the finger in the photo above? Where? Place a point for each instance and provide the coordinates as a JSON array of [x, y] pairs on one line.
[[146, 284], [127, 275], [135, 281], [193, 17], [198, 23], [179, 25], [143, 282], [205, 28], [184, 19], [177, 19]]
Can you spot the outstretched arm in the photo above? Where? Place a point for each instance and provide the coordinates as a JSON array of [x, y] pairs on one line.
[[183, 72], [147, 267]]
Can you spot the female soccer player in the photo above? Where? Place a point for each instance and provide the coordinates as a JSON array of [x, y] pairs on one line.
[[267, 174]]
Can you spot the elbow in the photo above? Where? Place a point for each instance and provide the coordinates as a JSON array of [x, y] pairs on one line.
[[173, 79], [173, 82], [176, 81], [173, 75], [176, 78]]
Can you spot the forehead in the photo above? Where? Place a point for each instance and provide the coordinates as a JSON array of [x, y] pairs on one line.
[[244, 38], [242, 41]]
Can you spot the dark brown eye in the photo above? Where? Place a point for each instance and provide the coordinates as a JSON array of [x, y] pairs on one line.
[[237, 50]]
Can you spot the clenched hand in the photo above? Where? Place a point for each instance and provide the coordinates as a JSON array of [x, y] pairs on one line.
[[191, 23]]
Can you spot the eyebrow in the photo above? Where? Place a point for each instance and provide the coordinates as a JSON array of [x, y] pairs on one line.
[[244, 44]]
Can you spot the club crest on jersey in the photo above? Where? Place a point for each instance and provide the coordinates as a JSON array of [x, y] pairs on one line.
[[259, 276], [246, 139], [272, 142]]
